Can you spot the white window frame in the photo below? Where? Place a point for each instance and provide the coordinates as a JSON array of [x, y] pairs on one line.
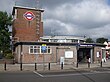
[[49, 50]]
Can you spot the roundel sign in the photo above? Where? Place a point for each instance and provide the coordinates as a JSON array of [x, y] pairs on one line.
[[29, 15]]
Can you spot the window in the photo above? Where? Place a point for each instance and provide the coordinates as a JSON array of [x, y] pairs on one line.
[[32, 49], [49, 50], [38, 50]]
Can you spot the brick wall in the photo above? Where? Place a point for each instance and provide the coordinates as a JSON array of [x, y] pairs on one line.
[[27, 30], [97, 59], [53, 57]]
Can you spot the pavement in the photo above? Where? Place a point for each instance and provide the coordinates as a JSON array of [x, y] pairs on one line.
[[69, 73], [55, 67]]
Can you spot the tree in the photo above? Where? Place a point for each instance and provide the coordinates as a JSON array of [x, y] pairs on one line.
[[89, 40], [101, 40], [5, 21]]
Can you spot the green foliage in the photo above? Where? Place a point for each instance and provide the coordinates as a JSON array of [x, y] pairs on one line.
[[101, 40], [89, 40], [5, 21], [9, 56]]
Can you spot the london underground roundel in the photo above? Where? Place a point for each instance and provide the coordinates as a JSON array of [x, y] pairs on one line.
[[29, 16]]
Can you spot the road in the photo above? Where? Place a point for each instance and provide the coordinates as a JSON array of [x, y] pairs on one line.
[[55, 76]]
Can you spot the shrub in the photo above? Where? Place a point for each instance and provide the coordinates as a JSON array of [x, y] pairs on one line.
[[9, 56]]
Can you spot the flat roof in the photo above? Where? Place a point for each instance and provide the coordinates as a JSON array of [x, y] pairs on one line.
[[63, 37], [22, 7], [59, 44]]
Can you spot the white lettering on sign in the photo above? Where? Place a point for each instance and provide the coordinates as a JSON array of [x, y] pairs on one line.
[[86, 45]]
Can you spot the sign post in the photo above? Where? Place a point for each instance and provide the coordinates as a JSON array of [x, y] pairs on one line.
[[43, 48]]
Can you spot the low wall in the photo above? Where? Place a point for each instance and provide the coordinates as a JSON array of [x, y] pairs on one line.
[[8, 61]]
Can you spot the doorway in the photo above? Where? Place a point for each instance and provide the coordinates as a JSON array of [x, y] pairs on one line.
[[83, 55]]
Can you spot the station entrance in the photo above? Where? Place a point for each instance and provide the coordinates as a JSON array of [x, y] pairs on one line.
[[83, 55]]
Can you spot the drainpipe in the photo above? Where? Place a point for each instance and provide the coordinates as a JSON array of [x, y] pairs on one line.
[[56, 53]]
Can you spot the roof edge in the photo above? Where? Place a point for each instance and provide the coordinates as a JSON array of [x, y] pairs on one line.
[[30, 8]]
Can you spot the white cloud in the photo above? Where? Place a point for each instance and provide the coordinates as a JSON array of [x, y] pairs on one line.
[[6, 5], [86, 17], [91, 12], [88, 10], [57, 27], [71, 17]]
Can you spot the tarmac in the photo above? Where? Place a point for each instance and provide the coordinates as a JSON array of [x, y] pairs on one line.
[[55, 67]]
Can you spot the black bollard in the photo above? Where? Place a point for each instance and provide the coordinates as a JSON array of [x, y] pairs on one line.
[[62, 65], [88, 64], [13, 61], [49, 66], [35, 66], [21, 66], [77, 65], [5, 66], [101, 64]]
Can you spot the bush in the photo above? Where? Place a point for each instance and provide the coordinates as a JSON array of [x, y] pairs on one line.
[[9, 56]]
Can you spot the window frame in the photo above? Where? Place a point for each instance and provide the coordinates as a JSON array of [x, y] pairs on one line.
[[38, 50]]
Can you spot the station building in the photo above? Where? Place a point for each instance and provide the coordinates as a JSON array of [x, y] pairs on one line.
[[31, 46]]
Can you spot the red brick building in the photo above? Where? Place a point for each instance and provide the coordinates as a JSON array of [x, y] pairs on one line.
[[27, 27], [27, 24], [27, 47]]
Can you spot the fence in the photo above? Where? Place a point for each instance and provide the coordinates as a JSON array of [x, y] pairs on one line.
[[51, 66], [9, 61]]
